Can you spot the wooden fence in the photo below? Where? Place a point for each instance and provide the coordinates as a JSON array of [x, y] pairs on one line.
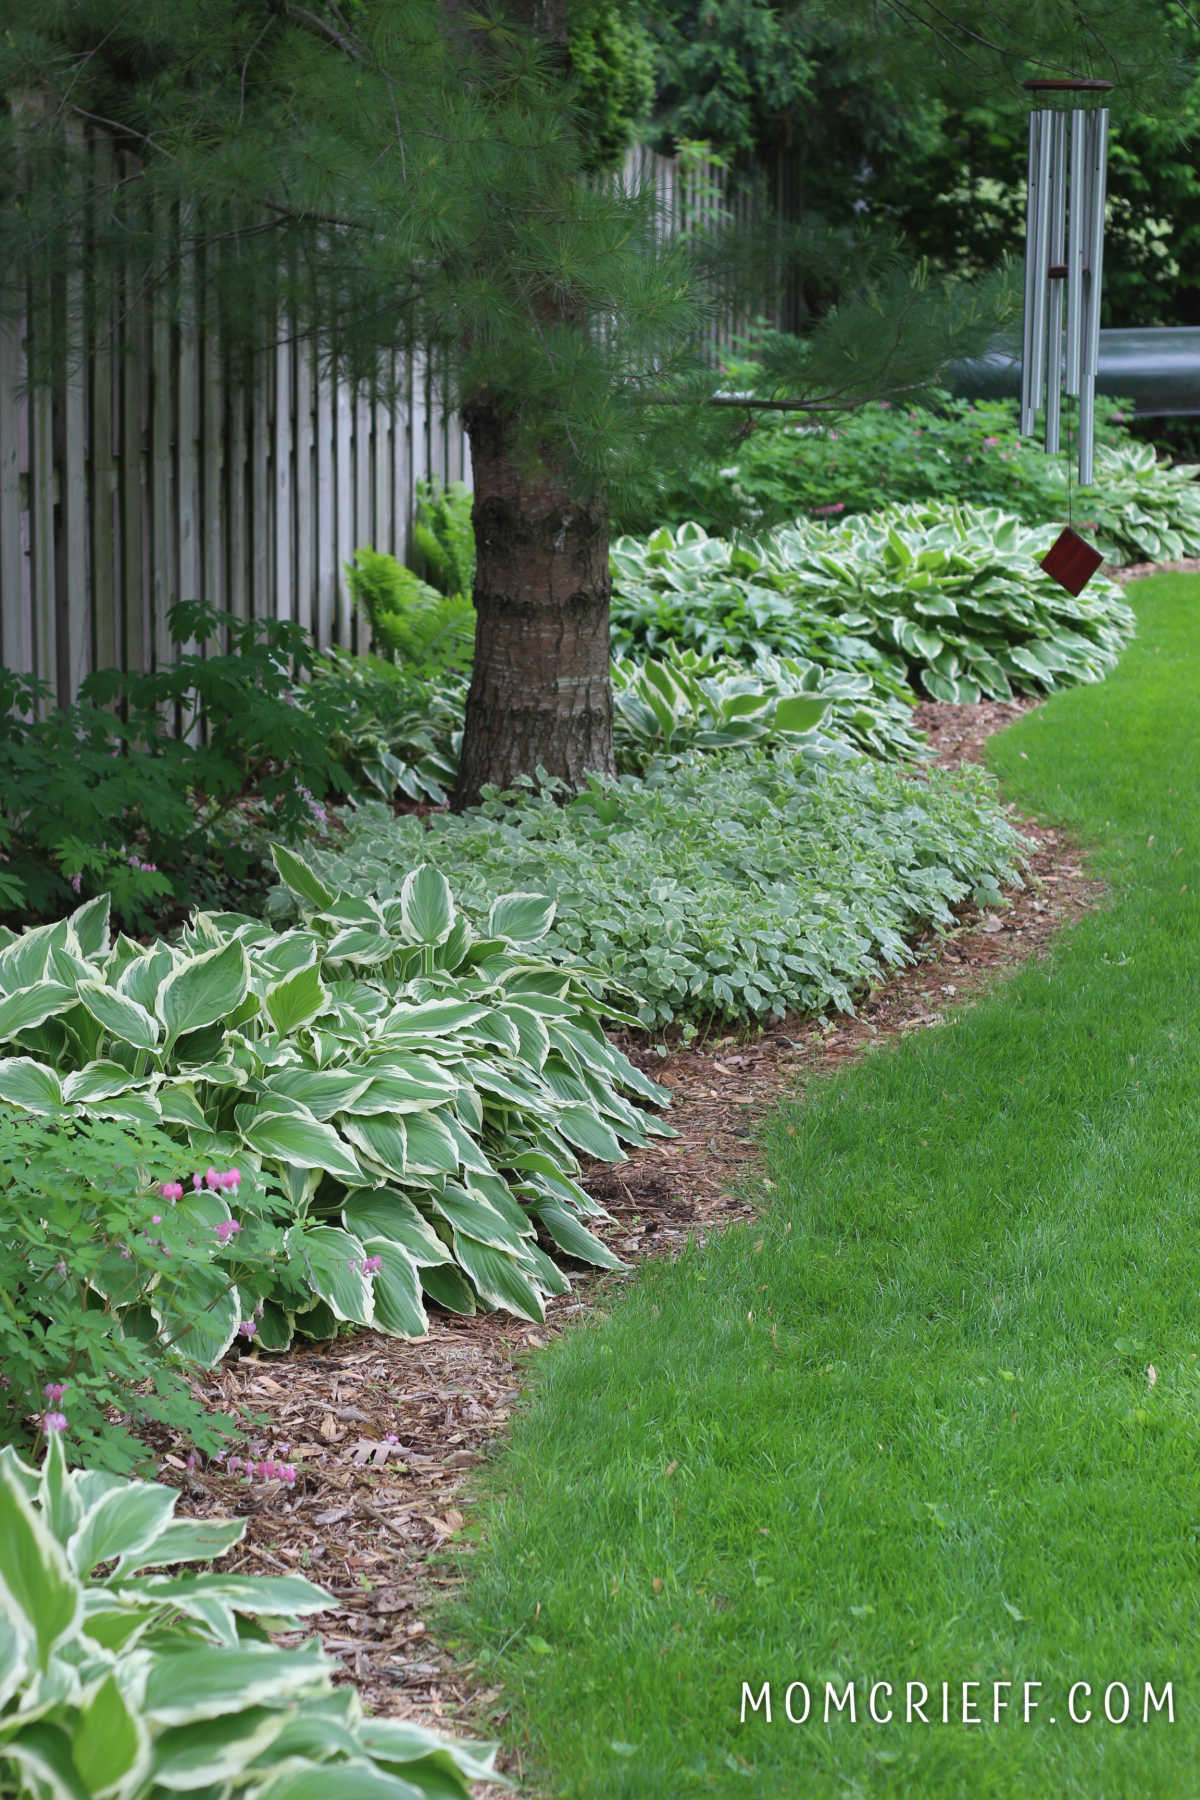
[[155, 472]]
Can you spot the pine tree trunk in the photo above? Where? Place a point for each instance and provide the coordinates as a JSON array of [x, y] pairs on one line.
[[541, 692]]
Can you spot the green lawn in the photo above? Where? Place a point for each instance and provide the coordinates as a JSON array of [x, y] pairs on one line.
[[903, 1430]]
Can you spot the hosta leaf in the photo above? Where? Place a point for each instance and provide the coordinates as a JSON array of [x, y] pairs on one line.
[[433, 1018], [498, 1277], [199, 1319], [204, 991], [121, 1015], [110, 1743], [396, 1290], [89, 922], [427, 905], [471, 1214], [797, 713], [295, 873], [42, 1751], [355, 1781], [27, 1007], [572, 1236], [385, 1213], [184, 1541], [447, 1285], [296, 999], [29, 1085], [306, 1142], [99, 1081], [208, 1683], [581, 1127], [37, 1586], [211, 1752], [332, 1261], [524, 918], [323, 1092]]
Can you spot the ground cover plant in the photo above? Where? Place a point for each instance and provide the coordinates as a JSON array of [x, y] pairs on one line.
[[729, 888], [108, 796], [414, 1091], [932, 1417], [122, 1676]]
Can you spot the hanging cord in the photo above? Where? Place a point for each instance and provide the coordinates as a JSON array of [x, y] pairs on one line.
[[1071, 454]]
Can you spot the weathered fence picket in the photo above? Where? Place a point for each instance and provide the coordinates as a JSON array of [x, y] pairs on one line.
[[158, 469]]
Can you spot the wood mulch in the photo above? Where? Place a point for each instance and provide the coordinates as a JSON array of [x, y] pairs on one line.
[[385, 1433]]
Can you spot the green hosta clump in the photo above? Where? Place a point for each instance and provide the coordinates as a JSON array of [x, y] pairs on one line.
[[1137, 507], [738, 601], [394, 732], [724, 889], [120, 1680], [684, 700], [959, 592], [416, 1089]]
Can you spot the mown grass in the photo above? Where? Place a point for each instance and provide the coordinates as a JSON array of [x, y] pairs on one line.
[[904, 1429]]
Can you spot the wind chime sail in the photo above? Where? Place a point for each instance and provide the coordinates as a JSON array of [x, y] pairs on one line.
[[1064, 259]]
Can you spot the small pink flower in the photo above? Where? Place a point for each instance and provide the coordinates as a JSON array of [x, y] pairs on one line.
[[990, 443], [197, 1181], [77, 882], [391, 1438], [227, 1229], [191, 1461], [54, 1421], [885, 405], [156, 1218], [212, 1179], [60, 1267], [247, 1328], [54, 1390]]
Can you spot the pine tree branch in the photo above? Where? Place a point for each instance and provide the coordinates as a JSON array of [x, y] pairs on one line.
[[309, 21]]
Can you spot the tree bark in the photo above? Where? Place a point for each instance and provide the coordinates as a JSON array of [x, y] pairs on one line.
[[541, 691]]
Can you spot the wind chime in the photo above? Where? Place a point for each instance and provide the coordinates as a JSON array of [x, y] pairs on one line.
[[1064, 259]]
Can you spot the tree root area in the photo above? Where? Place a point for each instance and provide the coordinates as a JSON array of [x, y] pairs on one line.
[[385, 1433]]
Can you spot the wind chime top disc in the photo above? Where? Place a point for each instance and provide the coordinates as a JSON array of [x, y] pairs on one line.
[[1071, 561]]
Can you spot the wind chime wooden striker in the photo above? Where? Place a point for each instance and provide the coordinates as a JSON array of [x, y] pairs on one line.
[[1064, 259]]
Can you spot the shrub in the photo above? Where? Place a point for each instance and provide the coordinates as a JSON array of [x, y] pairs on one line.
[[732, 888], [134, 1684], [417, 1091], [91, 1285], [426, 631], [102, 797], [786, 468]]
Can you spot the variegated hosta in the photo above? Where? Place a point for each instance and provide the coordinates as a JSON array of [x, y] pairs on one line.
[[121, 1681], [420, 1090], [1137, 506], [959, 590], [684, 699]]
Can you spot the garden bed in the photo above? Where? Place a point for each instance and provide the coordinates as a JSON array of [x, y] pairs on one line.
[[386, 1432]]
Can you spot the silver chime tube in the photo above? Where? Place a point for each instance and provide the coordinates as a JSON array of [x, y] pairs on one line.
[[1097, 160], [1076, 248], [1056, 259], [1033, 345]]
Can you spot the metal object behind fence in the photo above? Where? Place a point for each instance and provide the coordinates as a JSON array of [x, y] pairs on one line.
[[1064, 253]]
